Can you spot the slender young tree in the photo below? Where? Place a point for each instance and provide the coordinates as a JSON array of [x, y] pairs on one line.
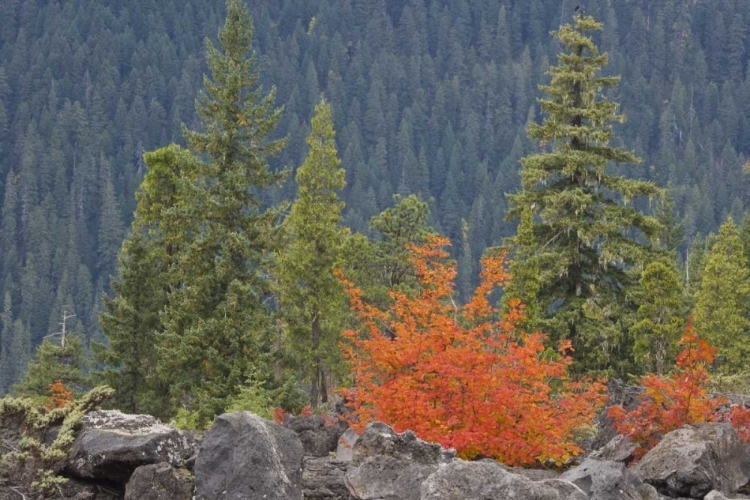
[[218, 320], [586, 238], [131, 320], [58, 358], [524, 273], [312, 300], [660, 316], [382, 263], [721, 303]]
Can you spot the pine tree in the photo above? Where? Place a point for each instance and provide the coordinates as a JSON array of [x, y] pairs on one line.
[[131, 324], [582, 229], [524, 272], [660, 316], [721, 303], [383, 263], [672, 231], [311, 299], [218, 320], [58, 357]]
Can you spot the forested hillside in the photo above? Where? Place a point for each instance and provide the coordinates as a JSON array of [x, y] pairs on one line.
[[428, 96]]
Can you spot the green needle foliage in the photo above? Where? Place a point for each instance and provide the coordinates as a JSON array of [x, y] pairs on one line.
[[218, 319], [131, 320], [661, 305], [721, 302], [382, 263], [586, 239], [310, 295], [131, 323], [53, 362]]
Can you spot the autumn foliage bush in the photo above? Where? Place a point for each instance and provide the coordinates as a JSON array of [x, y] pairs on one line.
[[60, 396], [682, 398], [462, 376]]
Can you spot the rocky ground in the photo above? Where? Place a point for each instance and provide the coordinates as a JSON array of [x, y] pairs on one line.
[[244, 457]]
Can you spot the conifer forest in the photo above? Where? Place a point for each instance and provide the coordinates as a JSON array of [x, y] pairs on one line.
[[270, 205]]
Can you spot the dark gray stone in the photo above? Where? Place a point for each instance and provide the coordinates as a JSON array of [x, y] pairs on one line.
[[159, 482], [387, 478], [460, 480], [319, 437], [245, 457], [608, 480], [391, 466], [378, 439], [324, 479], [111, 445], [693, 460]]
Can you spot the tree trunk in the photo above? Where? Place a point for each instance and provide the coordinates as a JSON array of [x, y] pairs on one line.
[[315, 390]]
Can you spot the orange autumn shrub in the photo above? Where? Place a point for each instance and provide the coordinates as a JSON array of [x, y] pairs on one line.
[[677, 400], [59, 395], [461, 376]]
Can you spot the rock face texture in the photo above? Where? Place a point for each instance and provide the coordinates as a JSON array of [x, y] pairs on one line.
[[111, 445], [159, 482], [715, 495], [245, 457], [693, 460], [324, 479], [391, 466], [485, 480], [319, 437], [618, 449], [608, 480]]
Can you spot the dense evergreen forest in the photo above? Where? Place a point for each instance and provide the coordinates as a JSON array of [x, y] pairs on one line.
[[430, 97]]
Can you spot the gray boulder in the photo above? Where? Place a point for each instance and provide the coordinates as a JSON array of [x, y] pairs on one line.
[[324, 479], [391, 466], [159, 482], [693, 460], [388, 478], [460, 480], [245, 457], [379, 439], [111, 445], [608, 480], [319, 437], [618, 449]]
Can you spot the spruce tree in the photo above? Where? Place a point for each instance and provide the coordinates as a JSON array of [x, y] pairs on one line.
[[721, 303], [524, 271], [310, 296], [131, 320], [131, 324], [661, 304], [218, 319], [59, 357], [586, 238], [381, 263]]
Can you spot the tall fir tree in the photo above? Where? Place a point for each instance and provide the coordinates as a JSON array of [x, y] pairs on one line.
[[131, 319], [585, 237], [722, 301], [218, 320], [311, 299]]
